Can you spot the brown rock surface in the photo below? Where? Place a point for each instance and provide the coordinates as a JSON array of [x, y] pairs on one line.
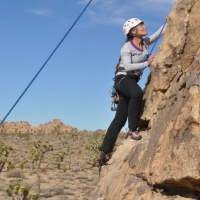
[[165, 164]]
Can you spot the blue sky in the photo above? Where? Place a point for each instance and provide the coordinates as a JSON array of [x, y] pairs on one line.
[[74, 85]]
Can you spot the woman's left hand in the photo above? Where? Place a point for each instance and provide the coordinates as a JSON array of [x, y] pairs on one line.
[[150, 59]]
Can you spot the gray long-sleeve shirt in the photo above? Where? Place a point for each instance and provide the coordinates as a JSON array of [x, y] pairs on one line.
[[132, 58]]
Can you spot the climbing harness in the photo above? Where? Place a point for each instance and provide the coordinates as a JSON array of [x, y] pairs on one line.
[[2, 121], [113, 93]]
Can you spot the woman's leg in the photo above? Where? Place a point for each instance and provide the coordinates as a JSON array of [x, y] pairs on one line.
[[116, 125], [131, 89]]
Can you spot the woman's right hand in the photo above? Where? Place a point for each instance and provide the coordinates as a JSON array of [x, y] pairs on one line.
[[150, 59]]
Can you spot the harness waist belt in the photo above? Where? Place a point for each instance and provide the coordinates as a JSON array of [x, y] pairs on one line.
[[120, 69]]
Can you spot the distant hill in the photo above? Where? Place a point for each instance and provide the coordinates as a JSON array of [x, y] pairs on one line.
[[25, 127]]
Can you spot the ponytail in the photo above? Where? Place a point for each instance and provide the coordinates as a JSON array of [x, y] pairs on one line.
[[129, 37]]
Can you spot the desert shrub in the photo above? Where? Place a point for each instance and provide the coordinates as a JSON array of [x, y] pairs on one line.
[[4, 152], [94, 145], [21, 191], [37, 152]]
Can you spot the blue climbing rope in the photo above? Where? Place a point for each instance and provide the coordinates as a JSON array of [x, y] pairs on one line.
[[2, 121], [147, 56]]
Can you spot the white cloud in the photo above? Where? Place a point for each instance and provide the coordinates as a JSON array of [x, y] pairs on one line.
[[116, 11], [41, 12]]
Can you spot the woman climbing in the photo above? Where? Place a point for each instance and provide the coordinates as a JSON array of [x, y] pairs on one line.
[[133, 60]]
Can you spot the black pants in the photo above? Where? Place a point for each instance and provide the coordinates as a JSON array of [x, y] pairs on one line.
[[129, 106]]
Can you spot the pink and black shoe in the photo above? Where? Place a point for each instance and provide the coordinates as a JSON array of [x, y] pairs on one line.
[[134, 135]]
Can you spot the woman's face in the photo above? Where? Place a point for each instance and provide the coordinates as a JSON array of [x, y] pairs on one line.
[[140, 30]]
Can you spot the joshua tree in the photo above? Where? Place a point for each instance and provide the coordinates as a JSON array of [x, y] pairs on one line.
[[37, 154], [4, 152]]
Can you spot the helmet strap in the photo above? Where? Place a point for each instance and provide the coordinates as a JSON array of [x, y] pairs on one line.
[[136, 35]]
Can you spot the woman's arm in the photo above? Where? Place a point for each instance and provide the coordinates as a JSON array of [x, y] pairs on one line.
[[130, 62], [159, 33], [132, 59]]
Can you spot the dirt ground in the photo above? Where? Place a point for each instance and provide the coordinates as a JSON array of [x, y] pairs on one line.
[[60, 166]]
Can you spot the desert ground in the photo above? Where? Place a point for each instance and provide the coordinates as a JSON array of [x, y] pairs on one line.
[[53, 166]]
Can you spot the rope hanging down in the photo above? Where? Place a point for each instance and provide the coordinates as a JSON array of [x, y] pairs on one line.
[[45, 63]]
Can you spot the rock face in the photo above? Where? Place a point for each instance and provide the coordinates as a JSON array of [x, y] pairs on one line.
[[165, 164]]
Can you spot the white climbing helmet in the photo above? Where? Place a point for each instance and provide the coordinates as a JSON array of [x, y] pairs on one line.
[[129, 24]]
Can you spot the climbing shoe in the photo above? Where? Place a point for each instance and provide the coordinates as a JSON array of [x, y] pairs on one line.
[[104, 158], [134, 135]]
